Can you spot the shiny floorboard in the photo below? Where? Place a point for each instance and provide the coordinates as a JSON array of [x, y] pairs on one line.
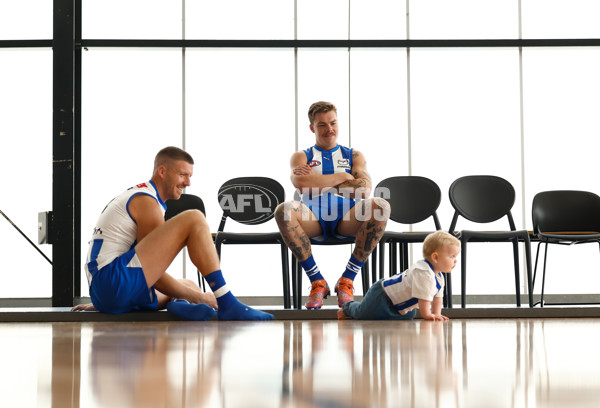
[[317, 363]]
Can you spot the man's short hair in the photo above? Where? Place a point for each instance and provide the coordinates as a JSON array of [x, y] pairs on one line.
[[171, 154], [320, 107], [436, 240]]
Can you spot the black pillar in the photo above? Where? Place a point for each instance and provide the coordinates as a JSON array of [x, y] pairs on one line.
[[64, 264]]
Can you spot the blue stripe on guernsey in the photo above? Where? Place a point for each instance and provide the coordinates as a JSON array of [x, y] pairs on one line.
[[309, 155], [438, 285], [160, 200], [392, 281], [93, 264], [130, 198], [327, 160], [407, 304]]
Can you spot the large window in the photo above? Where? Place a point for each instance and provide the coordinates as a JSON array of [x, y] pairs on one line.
[[442, 111], [26, 163]]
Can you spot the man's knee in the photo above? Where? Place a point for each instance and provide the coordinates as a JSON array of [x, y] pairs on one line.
[[381, 209], [376, 208], [189, 283], [284, 211], [194, 218]]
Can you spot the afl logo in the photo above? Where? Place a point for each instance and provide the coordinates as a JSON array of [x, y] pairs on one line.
[[248, 203], [314, 163]]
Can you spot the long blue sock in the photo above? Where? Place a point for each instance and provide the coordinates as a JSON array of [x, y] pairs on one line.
[[353, 267], [311, 269], [229, 307], [190, 311]]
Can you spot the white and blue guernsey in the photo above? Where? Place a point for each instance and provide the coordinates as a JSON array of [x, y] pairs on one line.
[[329, 207], [417, 282]]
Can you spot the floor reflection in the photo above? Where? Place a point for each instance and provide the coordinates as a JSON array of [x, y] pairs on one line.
[[469, 363]]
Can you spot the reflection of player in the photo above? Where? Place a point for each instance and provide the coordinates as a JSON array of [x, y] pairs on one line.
[[133, 365], [331, 179], [133, 246], [420, 286]]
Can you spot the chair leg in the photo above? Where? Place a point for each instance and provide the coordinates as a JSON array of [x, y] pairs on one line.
[[285, 270], [448, 291], [463, 274], [544, 274], [293, 273], [403, 256], [365, 275], [201, 281], [537, 255], [517, 278], [298, 284], [365, 271], [528, 267], [374, 263]]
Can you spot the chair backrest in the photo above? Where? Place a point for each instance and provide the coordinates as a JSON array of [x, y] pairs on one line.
[[566, 211], [185, 202], [412, 198], [482, 199], [250, 200]]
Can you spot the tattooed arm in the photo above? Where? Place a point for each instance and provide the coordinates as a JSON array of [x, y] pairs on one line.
[[360, 186]]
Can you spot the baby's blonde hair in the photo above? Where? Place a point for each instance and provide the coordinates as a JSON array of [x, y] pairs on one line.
[[437, 240]]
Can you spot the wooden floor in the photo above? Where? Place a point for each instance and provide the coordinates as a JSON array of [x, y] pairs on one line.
[[515, 362]]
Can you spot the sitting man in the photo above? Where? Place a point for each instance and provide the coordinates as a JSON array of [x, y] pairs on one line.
[[132, 246], [334, 183]]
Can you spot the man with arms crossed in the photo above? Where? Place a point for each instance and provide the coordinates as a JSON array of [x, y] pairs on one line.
[[334, 183]]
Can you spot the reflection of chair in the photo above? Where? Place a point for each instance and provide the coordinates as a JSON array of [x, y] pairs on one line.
[[252, 201], [297, 272], [564, 218], [186, 202], [485, 199]]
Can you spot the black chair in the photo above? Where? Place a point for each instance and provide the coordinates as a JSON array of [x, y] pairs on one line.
[[412, 199], [564, 217], [485, 199], [252, 201], [297, 273], [186, 202]]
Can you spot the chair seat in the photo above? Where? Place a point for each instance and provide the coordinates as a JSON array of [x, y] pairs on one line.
[[569, 237], [248, 238], [493, 236], [409, 237]]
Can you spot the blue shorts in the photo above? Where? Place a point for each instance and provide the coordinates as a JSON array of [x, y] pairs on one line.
[[121, 286], [329, 209]]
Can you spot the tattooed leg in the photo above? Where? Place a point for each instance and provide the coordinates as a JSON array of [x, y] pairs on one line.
[[374, 214], [297, 224]]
